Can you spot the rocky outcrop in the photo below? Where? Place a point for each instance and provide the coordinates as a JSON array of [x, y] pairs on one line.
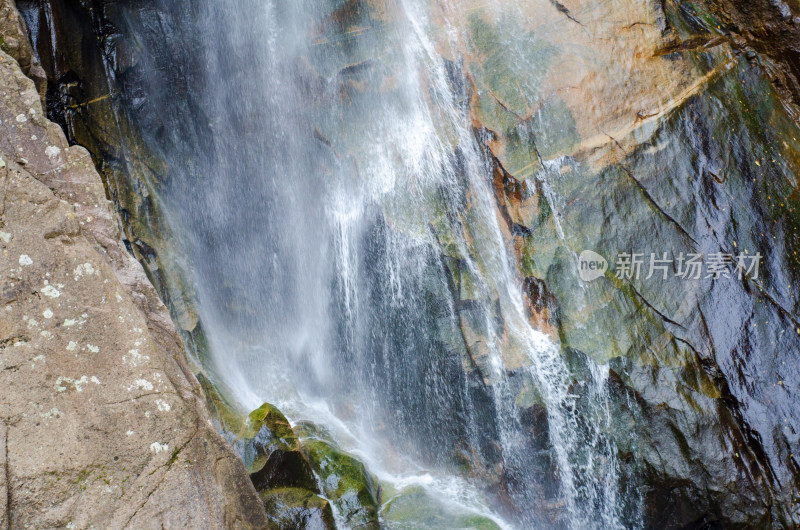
[[770, 31], [14, 41], [101, 421], [675, 142]]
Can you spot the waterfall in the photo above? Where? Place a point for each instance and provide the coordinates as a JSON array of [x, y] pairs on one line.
[[325, 186]]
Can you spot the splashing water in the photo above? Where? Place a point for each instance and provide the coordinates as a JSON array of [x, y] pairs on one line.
[[326, 184]]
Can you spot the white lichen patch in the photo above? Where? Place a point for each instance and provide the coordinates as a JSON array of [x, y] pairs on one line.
[[141, 384], [50, 291], [69, 322], [80, 382], [156, 447], [85, 269], [62, 382], [134, 358], [21, 118], [92, 348], [159, 381], [46, 334], [25, 260], [72, 346], [47, 313], [5, 237], [53, 413], [52, 151], [61, 379], [163, 406], [129, 433], [32, 323]]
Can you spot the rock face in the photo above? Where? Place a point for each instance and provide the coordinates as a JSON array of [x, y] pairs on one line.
[[101, 421], [770, 28], [14, 41], [703, 372]]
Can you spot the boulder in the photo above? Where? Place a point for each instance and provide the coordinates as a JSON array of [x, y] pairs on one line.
[[272, 452], [346, 482]]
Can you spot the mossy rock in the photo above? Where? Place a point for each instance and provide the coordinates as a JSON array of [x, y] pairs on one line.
[[415, 508], [266, 442], [293, 508], [346, 482], [271, 452], [269, 416]]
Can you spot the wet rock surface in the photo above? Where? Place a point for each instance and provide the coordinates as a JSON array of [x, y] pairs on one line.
[[278, 461], [767, 31], [292, 508], [345, 481], [101, 420]]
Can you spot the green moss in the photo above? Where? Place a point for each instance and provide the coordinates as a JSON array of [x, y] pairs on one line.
[[555, 130], [346, 482], [268, 415], [519, 157]]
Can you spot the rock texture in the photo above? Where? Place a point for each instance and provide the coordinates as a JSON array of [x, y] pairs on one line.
[[14, 41], [101, 421], [770, 28], [703, 373]]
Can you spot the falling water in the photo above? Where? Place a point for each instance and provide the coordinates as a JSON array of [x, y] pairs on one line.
[[325, 185]]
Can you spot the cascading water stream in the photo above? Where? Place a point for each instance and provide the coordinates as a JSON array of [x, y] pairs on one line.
[[580, 486], [322, 221]]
